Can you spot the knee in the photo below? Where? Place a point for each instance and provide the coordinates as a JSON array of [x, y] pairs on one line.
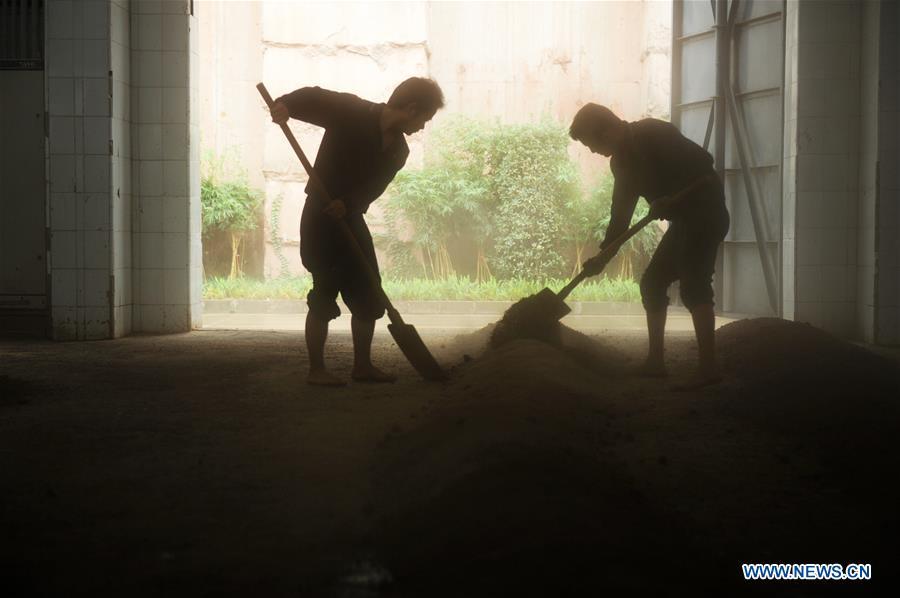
[[369, 313], [365, 306], [653, 291], [321, 306], [696, 292]]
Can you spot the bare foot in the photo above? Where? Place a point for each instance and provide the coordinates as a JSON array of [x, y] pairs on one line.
[[323, 378], [651, 369], [701, 379], [371, 373]]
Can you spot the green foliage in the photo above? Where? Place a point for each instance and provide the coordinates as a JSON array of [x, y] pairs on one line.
[[439, 203], [444, 201], [533, 180], [585, 214], [228, 203], [504, 200], [452, 288], [502, 188]]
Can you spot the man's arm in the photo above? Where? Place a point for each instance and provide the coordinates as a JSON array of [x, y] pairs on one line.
[[624, 200], [314, 105]]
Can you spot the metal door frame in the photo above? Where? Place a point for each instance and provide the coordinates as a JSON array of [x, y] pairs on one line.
[[726, 107]]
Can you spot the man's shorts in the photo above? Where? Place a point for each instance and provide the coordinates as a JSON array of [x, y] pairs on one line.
[[687, 253], [335, 270]]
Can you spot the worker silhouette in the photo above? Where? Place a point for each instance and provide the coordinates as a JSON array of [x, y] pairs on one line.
[[652, 159], [362, 150]]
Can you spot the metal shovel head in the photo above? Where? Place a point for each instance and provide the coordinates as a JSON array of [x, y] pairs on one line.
[[536, 316], [543, 306], [416, 352], [549, 303]]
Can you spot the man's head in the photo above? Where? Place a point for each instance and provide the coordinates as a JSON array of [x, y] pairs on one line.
[[417, 99], [598, 128]]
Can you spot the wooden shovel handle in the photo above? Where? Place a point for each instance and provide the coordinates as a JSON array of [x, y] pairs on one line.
[[349, 237], [609, 250]]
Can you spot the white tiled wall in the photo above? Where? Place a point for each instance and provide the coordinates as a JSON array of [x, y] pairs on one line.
[[822, 158], [79, 102], [162, 141], [124, 209], [841, 190]]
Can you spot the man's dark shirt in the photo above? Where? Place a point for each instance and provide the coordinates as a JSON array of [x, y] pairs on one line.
[[350, 162], [656, 161]]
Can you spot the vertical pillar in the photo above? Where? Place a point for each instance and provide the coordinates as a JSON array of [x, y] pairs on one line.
[[166, 233], [79, 117]]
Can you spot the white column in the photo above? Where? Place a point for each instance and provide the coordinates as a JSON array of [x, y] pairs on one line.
[[165, 225], [822, 177]]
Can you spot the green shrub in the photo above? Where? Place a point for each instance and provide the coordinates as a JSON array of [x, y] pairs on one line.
[[228, 203], [448, 200], [533, 180], [499, 190]]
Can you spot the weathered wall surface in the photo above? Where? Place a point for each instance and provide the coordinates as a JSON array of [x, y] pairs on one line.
[[513, 61], [229, 68]]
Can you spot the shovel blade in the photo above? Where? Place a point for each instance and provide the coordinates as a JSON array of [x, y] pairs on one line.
[[548, 303], [418, 355], [536, 316]]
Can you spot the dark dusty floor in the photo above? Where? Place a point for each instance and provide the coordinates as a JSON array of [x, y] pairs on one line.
[[201, 465]]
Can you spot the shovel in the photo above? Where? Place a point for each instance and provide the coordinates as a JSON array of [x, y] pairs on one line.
[[404, 334], [537, 316]]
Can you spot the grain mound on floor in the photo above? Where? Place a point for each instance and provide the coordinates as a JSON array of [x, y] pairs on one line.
[[511, 461], [817, 389], [591, 352], [537, 473], [772, 351]]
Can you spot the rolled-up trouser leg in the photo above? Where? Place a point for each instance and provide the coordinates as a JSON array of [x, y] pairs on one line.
[[322, 298], [661, 272], [336, 270], [697, 254], [361, 297]]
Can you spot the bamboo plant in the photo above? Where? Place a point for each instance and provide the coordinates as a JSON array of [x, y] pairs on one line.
[[228, 203]]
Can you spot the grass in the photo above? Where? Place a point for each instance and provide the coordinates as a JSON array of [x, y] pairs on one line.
[[450, 289]]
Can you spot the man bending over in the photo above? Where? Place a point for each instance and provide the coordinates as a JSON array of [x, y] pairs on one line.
[[363, 148], [651, 158]]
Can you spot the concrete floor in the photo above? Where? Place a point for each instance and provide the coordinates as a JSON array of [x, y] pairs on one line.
[[201, 465]]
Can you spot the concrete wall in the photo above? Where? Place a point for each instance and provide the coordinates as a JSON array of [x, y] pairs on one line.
[[125, 231], [229, 67], [361, 47], [513, 61]]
